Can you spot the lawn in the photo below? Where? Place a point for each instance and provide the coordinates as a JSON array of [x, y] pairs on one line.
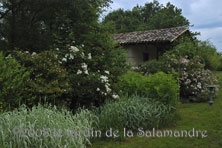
[[198, 116]]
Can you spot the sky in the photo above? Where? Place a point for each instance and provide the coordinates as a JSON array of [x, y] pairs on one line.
[[204, 15]]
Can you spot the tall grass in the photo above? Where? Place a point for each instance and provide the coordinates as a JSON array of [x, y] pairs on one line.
[[135, 112], [47, 127], [42, 127]]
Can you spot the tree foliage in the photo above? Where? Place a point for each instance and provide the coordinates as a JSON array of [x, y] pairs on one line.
[[34, 29], [208, 53], [35, 25], [152, 15]]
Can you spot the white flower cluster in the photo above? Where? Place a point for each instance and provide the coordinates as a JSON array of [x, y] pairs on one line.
[[105, 80], [32, 54], [115, 96], [73, 50], [8, 57], [89, 56], [84, 69]]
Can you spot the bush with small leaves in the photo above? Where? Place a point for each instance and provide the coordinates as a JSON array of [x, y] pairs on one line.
[[48, 79], [13, 79], [155, 86]]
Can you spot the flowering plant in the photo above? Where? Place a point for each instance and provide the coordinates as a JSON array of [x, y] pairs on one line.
[[187, 65], [90, 85], [68, 76], [192, 76]]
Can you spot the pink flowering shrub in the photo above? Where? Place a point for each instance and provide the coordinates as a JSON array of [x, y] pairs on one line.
[[187, 61], [193, 78]]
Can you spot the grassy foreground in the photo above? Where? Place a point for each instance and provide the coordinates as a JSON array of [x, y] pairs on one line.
[[197, 116]]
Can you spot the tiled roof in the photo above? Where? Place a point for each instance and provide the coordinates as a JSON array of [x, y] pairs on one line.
[[161, 35]]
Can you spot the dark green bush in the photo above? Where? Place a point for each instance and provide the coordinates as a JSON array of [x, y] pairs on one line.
[[48, 79], [160, 86]]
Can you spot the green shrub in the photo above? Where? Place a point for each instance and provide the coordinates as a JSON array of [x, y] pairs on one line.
[[208, 53], [160, 86], [13, 79], [135, 112], [51, 127], [152, 67], [48, 79], [132, 83]]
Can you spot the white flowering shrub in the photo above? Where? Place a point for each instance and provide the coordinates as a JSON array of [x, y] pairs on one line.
[[72, 76], [91, 84], [188, 65]]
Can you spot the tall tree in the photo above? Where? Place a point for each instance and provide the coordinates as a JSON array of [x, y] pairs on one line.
[[152, 15], [38, 25], [168, 16]]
